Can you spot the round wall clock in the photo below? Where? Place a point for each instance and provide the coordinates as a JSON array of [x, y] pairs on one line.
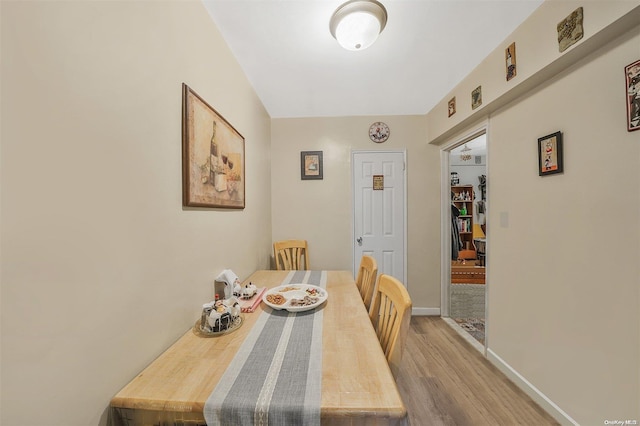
[[379, 132]]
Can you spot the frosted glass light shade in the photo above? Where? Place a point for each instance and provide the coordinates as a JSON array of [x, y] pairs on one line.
[[358, 23]]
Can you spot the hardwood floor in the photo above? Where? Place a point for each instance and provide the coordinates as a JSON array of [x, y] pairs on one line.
[[443, 380]]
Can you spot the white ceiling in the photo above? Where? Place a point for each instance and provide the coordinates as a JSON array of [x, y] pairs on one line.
[[298, 69]]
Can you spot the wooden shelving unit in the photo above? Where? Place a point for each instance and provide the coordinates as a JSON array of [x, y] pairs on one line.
[[463, 198]]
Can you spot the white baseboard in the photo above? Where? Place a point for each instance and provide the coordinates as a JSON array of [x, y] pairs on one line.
[[425, 312], [533, 392]]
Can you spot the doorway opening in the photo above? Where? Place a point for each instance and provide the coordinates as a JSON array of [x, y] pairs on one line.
[[464, 277]]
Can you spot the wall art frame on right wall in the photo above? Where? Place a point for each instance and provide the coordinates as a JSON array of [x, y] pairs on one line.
[[550, 156], [632, 80]]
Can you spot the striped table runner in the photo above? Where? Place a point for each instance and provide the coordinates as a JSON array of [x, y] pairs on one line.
[[276, 376]]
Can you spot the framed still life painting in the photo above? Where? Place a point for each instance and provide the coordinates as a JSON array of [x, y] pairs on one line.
[[550, 154], [632, 74], [213, 161]]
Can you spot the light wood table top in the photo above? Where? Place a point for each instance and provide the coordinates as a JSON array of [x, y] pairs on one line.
[[357, 384]]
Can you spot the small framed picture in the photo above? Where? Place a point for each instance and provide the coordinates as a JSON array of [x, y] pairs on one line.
[[311, 165], [632, 74], [476, 97], [550, 154], [452, 106], [570, 30], [510, 61]]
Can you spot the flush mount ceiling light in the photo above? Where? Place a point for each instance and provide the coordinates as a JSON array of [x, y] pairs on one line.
[[358, 23]]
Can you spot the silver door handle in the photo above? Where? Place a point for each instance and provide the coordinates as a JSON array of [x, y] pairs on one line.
[[359, 240]]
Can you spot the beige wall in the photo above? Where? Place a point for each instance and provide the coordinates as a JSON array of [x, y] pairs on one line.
[[102, 268], [320, 211], [563, 307]]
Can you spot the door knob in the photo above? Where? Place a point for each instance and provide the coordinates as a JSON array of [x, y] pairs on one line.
[[359, 240]]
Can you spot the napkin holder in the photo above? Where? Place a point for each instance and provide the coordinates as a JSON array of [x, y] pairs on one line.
[[229, 282]]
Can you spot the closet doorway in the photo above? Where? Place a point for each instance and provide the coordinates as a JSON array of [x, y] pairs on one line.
[[465, 281]]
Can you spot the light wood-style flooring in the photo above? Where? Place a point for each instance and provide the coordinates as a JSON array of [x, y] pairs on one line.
[[443, 380]]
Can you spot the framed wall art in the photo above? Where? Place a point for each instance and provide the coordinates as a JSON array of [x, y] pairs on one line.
[[632, 75], [476, 97], [213, 157], [570, 30], [510, 61], [311, 165], [550, 154], [452, 106]]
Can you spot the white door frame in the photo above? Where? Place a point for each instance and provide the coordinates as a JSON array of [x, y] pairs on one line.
[[445, 226], [356, 263]]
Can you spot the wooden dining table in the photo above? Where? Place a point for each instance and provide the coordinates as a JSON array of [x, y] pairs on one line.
[[357, 386]]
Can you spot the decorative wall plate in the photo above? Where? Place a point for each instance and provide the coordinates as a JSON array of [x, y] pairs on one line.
[[379, 132]]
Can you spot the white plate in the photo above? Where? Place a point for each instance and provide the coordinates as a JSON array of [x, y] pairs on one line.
[[294, 292]]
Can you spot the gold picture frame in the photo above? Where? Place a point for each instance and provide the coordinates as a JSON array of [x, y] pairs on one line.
[[213, 157]]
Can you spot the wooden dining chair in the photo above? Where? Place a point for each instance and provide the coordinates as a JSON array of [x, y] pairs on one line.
[[366, 279], [390, 315], [291, 255]]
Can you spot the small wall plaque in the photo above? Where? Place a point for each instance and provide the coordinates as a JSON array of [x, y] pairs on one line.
[[452, 106], [476, 97], [570, 30], [510, 61], [378, 182]]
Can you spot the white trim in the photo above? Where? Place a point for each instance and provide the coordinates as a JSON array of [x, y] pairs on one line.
[[405, 202], [540, 398], [445, 202], [487, 269], [445, 231], [425, 312]]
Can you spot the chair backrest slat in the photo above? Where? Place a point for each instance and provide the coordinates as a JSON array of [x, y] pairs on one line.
[[390, 315], [291, 255], [366, 279]]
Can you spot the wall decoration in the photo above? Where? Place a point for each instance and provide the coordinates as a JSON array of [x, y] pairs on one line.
[[550, 154], [379, 132], [452, 106], [476, 97], [632, 74], [378, 182], [455, 179], [570, 30], [213, 161], [510, 61], [311, 165]]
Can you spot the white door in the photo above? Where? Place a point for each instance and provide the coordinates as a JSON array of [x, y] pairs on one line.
[[379, 203]]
